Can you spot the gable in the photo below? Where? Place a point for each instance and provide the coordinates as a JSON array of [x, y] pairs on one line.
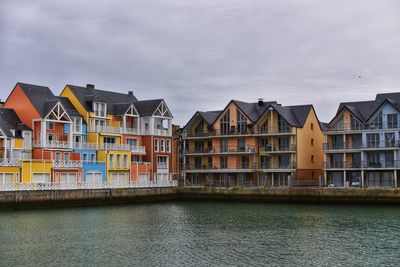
[[162, 111], [58, 113], [233, 108]]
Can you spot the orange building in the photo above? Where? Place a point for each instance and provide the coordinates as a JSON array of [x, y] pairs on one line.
[[253, 144]]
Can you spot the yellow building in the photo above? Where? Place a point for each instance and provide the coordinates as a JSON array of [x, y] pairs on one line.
[[253, 144]]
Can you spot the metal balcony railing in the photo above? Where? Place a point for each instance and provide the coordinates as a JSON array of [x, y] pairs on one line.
[[348, 127], [279, 148], [361, 145], [361, 165], [244, 166], [233, 132], [221, 150], [277, 166], [123, 147]]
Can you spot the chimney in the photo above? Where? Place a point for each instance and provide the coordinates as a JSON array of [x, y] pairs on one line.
[[91, 86], [260, 102], [130, 93]]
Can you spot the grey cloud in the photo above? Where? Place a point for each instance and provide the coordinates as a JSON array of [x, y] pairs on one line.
[[200, 54]]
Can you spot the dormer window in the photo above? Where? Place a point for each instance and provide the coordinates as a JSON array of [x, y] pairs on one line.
[[99, 109]]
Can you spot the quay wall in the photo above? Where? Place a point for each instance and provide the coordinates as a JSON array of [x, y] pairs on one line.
[[26, 199]]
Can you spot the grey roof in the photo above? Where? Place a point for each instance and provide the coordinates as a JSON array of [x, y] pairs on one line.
[[86, 96], [363, 110], [147, 107], [253, 110], [44, 100], [295, 115], [210, 116], [9, 120]]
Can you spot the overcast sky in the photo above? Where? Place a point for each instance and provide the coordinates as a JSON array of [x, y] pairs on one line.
[[198, 55]]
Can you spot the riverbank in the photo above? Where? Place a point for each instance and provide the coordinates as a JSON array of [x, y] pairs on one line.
[[25, 199]]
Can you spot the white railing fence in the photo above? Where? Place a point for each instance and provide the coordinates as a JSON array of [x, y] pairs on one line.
[[70, 186]]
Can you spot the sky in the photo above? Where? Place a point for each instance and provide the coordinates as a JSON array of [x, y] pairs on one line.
[[198, 55]]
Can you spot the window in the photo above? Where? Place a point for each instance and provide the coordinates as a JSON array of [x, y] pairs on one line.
[[133, 142], [241, 144], [162, 162], [224, 145], [58, 156], [389, 140], [119, 161], [283, 143], [392, 121], [245, 162], [312, 126], [264, 127], [312, 158], [312, 141], [77, 124], [50, 137], [156, 145], [241, 123], [85, 157], [199, 146], [224, 162], [111, 163], [377, 122], [162, 145], [99, 109], [168, 145], [126, 161], [283, 126], [225, 123], [197, 163], [355, 124], [109, 140], [373, 140], [66, 156], [50, 125], [93, 157], [200, 127]]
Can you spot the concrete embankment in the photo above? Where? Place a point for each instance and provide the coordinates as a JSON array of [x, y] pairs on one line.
[[294, 195], [91, 197], [83, 197]]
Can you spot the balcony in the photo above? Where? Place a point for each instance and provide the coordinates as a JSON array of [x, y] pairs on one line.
[[248, 132], [329, 147], [361, 165], [279, 149], [66, 164], [52, 144], [348, 127], [129, 131], [220, 168], [122, 147], [162, 165], [10, 163], [278, 166], [247, 149]]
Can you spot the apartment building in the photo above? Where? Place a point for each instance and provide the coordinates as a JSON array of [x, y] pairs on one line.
[[362, 143], [133, 138], [262, 143]]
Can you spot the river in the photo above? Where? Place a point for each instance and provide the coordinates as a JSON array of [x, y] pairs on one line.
[[202, 234]]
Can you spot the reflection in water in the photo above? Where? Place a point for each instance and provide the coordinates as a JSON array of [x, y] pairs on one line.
[[202, 234]]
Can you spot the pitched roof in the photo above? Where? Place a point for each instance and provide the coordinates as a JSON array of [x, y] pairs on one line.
[[43, 99], [86, 96], [363, 110], [9, 120], [147, 107], [210, 116], [253, 110]]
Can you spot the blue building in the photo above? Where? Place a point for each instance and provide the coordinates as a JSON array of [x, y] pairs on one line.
[[362, 143]]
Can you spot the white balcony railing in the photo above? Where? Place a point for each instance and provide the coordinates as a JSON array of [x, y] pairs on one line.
[[67, 164], [84, 185], [52, 144], [10, 162], [162, 165], [123, 147], [131, 131]]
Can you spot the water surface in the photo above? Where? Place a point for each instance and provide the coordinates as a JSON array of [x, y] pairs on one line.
[[202, 234]]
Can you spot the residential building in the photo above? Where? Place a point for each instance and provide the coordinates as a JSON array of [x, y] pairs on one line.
[[133, 138], [262, 143], [362, 143]]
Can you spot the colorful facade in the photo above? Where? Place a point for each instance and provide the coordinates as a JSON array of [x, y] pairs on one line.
[[253, 144], [83, 136], [362, 144]]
